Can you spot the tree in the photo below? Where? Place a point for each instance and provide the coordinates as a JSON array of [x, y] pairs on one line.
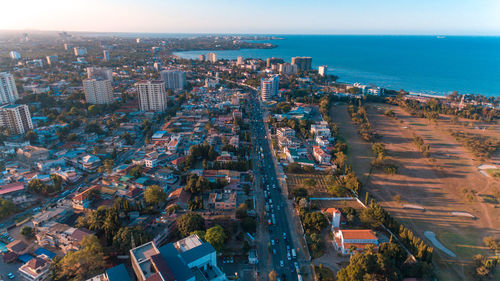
[[249, 224], [273, 276], [373, 216], [299, 192], [108, 165], [81, 264], [122, 240], [340, 159], [491, 242], [27, 232], [190, 222], [7, 208], [309, 182], [216, 237], [154, 195], [242, 211], [314, 222], [31, 136]]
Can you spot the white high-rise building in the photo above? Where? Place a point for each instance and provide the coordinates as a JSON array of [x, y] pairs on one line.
[[152, 96], [16, 118], [52, 59], [240, 60], [212, 57], [14, 55], [8, 90], [105, 55], [80, 51], [99, 72], [322, 70], [98, 91], [269, 87], [174, 79], [288, 68], [97, 87]]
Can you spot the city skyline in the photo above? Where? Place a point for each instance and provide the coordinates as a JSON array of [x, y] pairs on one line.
[[464, 17]]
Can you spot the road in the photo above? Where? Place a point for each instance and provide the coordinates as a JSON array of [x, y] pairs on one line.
[[272, 207]]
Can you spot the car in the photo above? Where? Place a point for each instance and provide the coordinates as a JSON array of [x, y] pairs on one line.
[[272, 242], [274, 251], [281, 263], [10, 275], [288, 257], [296, 264], [278, 207], [284, 235]]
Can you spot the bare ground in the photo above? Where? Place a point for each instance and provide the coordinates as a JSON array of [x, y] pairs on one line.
[[434, 184]]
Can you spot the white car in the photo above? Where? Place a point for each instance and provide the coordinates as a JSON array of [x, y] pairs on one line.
[[281, 263]]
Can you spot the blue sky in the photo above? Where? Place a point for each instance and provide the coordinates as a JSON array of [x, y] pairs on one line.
[[461, 17]]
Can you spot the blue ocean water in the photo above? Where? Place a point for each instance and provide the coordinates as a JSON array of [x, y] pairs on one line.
[[428, 64]]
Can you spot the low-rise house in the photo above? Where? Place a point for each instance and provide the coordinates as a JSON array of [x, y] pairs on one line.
[[321, 155], [82, 200], [347, 241], [36, 269], [285, 132], [222, 200], [321, 129], [31, 154], [179, 197], [17, 247], [90, 163], [61, 236]]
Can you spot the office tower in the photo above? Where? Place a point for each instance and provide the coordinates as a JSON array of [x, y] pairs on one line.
[[152, 96], [51, 59], [303, 63], [14, 55], [202, 57], [212, 57], [8, 90], [240, 61], [157, 66], [80, 51], [322, 70], [105, 55], [67, 46], [138, 40], [16, 118], [174, 79], [97, 86], [287, 68], [269, 87], [99, 72], [271, 61]]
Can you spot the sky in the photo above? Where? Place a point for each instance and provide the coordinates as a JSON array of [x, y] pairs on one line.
[[413, 17]]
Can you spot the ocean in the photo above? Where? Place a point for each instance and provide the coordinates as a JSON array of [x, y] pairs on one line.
[[424, 64]]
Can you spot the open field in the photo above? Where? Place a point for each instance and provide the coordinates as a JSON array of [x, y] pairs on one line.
[[323, 204], [319, 190], [437, 184]]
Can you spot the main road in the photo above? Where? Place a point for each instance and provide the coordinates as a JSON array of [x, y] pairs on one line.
[[272, 206]]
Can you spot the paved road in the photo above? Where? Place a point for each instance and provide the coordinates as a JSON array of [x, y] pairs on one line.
[[280, 255]]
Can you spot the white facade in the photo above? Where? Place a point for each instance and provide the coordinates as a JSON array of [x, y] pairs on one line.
[[98, 91], [287, 68], [14, 55], [212, 57], [152, 96], [174, 79], [240, 60], [105, 55], [80, 51], [8, 90], [322, 70], [269, 87], [99, 73], [16, 118]]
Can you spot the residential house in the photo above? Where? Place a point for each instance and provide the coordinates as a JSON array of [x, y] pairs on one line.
[[36, 269], [321, 155], [348, 240]]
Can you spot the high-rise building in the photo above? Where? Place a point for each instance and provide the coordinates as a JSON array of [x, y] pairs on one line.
[[303, 63], [288, 68], [16, 118], [105, 55], [98, 91], [212, 57], [152, 96], [202, 57], [99, 72], [240, 60], [67, 46], [14, 55], [271, 61], [80, 51], [52, 59], [97, 86], [174, 79], [322, 70], [8, 90], [269, 87]]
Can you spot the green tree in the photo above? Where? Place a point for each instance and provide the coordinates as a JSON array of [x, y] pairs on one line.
[[27, 232], [314, 222], [154, 195], [190, 222], [122, 240], [31, 136], [216, 237], [81, 264], [373, 216]]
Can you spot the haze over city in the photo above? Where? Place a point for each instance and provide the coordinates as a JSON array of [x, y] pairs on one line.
[[459, 17]]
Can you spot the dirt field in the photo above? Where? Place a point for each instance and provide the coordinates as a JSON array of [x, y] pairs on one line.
[[436, 185], [323, 204]]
